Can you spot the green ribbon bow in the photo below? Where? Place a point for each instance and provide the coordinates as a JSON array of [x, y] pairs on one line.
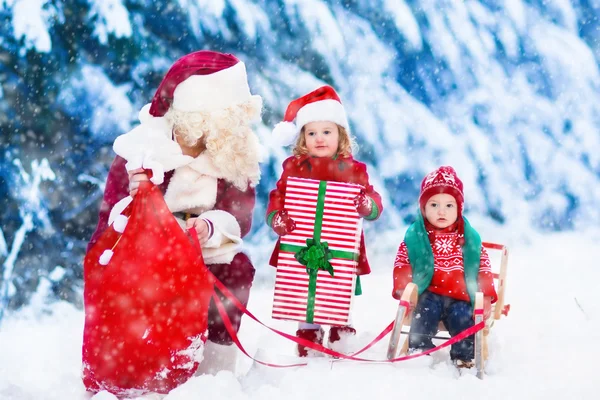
[[315, 256]]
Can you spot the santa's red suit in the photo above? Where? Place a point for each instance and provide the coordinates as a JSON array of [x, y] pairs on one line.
[[217, 185]]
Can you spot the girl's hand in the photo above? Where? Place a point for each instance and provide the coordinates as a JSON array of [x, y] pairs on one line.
[[202, 229], [363, 204], [135, 177], [282, 223], [487, 307]]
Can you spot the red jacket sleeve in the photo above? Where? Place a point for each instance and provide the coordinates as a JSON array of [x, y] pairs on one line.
[[486, 278], [362, 178], [277, 195], [238, 203], [402, 270], [117, 188]]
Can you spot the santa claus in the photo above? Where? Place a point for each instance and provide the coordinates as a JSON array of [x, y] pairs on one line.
[[195, 137]]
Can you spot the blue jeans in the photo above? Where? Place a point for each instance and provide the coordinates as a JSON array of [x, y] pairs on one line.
[[456, 315]]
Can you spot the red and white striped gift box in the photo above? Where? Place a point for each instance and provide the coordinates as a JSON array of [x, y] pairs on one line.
[[329, 206]]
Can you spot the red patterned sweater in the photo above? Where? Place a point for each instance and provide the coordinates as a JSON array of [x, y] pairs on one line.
[[448, 272]]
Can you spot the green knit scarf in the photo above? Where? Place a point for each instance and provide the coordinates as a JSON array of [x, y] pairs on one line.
[[420, 255]]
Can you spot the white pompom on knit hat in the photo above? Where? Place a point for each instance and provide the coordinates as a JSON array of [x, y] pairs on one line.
[[322, 104]]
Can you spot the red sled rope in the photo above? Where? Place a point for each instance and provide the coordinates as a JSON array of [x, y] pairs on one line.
[[315, 346]]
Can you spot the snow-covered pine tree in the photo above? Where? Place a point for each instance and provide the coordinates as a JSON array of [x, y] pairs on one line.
[[504, 91]]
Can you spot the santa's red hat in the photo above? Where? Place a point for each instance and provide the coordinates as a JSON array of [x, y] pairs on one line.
[[443, 180], [322, 104], [201, 81]]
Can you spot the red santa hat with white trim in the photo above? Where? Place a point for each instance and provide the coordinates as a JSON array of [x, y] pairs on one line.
[[201, 81], [322, 104], [206, 81]]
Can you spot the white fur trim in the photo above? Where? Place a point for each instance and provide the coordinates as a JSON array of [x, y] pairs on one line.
[[105, 257], [118, 208], [144, 114], [193, 186], [120, 223], [216, 240], [221, 254], [224, 255], [147, 161], [285, 133], [225, 223], [215, 91], [226, 240], [135, 162], [324, 110], [158, 172], [151, 139]]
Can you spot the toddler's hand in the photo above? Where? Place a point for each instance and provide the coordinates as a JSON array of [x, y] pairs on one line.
[[282, 223], [363, 204], [202, 229], [398, 293], [135, 177]]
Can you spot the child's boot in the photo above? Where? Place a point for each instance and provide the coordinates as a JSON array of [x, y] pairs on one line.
[[463, 363], [312, 335], [339, 337]]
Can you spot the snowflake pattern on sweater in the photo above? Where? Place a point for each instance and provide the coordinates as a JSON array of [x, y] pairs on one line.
[[448, 272]]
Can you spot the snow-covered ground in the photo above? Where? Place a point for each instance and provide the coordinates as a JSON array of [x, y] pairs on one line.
[[545, 349]]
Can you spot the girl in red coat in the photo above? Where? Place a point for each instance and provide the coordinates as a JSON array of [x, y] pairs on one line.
[[323, 151], [442, 254]]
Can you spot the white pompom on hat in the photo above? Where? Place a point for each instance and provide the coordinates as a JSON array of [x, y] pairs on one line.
[[322, 104]]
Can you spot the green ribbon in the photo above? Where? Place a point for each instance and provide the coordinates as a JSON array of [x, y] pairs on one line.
[[316, 255]]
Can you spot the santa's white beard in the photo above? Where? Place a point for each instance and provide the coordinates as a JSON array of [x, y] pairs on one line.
[[228, 139]]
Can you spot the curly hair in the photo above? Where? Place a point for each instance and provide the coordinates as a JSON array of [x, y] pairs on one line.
[[346, 145], [230, 142]]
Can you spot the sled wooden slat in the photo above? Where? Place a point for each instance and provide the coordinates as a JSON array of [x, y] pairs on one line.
[[402, 316], [479, 340]]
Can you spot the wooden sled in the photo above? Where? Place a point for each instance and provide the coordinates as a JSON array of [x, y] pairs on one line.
[[408, 303]]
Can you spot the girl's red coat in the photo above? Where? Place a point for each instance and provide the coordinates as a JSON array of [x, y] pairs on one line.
[[341, 169]]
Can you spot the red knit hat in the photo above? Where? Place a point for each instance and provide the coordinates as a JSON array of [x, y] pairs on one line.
[[322, 104], [443, 180], [201, 81]]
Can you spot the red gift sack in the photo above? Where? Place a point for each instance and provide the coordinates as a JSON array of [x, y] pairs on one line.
[[146, 310]]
